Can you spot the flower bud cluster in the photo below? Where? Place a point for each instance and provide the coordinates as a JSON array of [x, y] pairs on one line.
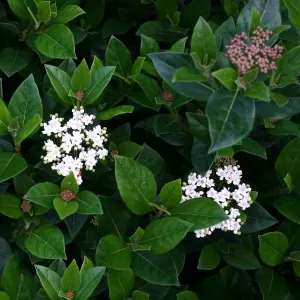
[[75, 145], [225, 187], [256, 54]]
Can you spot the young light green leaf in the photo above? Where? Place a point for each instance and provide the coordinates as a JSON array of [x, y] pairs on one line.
[[86, 265], [203, 42], [50, 281], [185, 74], [164, 234], [120, 283], [227, 77], [88, 203], [4, 296], [89, 281], [43, 194], [230, 118], [5, 117], [138, 66], [118, 55], [113, 253], [279, 99], [259, 91], [61, 82], [255, 19], [19, 8], [44, 11], [209, 258], [272, 248], [64, 208], [67, 13], [250, 76], [14, 60], [115, 111], [71, 278], [11, 164], [10, 206], [99, 80], [29, 128], [148, 45], [171, 193], [136, 185], [179, 46], [81, 79], [187, 295], [138, 295], [96, 65], [46, 242], [70, 183], [201, 212], [26, 101], [56, 41]]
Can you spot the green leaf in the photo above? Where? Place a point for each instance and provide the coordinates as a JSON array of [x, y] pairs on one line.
[[252, 147], [81, 78], [288, 161], [289, 182], [14, 60], [203, 42], [279, 99], [11, 164], [89, 281], [115, 111], [167, 63], [70, 183], [171, 193], [179, 46], [227, 77], [241, 257], [26, 102], [295, 258], [97, 64], [272, 285], [148, 45], [61, 82], [99, 80], [88, 203], [5, 118], [56, 41], [10, 206], [138, 66], [44, 11], [255, 19], [138, 295], [29, 128], [19, 8], [257, 219], [67, 13], [164, 234], [230, 119], [150, 87], [118, 55], [50, 281], [155, 269], [293, 7], [209, 258], [250, 76], [259, 91], [289, 206], [43, 194], [16, 280], [120, 283], [4, 296], [113, 253], [185, 74], [272, 248], [75, 223], [201, 212], [285, 127], [86, 265], [71, 278], [187, 295], [166, 7], [136, 185], [64, 208], [46, 242], [129, 149], [58, 266]]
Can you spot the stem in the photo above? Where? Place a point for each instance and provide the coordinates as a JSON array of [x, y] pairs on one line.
[[179, 120], [160, 208], [36, 22]]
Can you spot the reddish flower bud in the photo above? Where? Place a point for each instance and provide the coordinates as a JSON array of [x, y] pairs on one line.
[[114, 153], [167, 96], [80, 95], [70, 295], [26, 206], [67, 195]]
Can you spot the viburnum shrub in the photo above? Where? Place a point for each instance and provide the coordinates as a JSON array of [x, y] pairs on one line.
[[150, 149]]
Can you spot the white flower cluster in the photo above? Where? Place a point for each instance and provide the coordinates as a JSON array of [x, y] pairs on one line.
[[226, 189], [74, 146]]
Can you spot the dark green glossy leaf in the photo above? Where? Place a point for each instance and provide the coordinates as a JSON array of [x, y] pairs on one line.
[[171, 193], [209, 258], [88, 203], [71, 278], [115, 111], [10, 206]]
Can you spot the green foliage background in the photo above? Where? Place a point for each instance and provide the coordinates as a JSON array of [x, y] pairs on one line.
[[124, 236]]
